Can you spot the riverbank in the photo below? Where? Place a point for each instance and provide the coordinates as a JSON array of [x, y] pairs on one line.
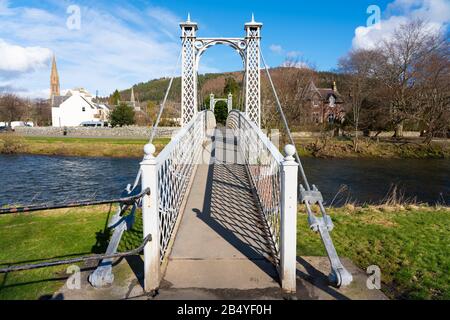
[[77, 147], [307, 147], [408, 243], [386, 148]]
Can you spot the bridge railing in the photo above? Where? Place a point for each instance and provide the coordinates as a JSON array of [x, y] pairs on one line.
[[274, 179], [168, 176]]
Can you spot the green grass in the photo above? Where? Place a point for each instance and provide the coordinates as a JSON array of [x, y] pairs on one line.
[[82, 147], [31, 238], [88, 140], [411, 247]]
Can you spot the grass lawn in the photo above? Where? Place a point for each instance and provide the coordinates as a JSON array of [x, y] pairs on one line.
[[30, 238], [89, 147], [411, 246]]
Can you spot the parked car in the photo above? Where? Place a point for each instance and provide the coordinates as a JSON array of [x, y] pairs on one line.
[[6, 129], [94, 124]]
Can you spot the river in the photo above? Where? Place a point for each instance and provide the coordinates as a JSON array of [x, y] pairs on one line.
[[26, 179]]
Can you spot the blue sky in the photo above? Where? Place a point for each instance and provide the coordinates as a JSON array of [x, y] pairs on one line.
[[122, 43]]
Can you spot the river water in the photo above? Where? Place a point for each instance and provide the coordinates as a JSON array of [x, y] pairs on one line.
[[28, 179]]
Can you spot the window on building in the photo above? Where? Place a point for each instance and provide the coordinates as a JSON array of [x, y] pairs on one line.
[[316, 117], [332, 101], [83, 109], [331, 118], [315, 102]]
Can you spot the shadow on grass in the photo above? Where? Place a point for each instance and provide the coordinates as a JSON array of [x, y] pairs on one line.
[[102, 239]]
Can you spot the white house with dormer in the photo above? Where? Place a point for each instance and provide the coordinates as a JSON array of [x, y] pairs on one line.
[[77, 108]]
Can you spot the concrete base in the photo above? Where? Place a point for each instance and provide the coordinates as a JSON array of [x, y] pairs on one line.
[[312, 284]]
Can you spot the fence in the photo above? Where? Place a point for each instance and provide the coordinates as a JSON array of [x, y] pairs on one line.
[[274, 179], [168, 175]]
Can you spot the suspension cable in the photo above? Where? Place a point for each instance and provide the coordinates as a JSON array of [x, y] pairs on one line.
[[163, 104], [158, 119], [126, 200], [286, 125], [96, 257]]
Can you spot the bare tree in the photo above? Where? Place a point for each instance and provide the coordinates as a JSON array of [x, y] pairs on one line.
[[359, 66], [41, 112], [12, 108], [292, 82], [433, 98], [411, 46]]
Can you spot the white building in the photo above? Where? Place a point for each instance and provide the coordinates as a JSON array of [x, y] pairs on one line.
[[77, 108]]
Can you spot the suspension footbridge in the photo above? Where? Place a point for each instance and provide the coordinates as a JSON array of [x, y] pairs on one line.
[[220, 204]]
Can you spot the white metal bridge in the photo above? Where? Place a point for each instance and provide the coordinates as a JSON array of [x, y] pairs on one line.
[[225, 196]]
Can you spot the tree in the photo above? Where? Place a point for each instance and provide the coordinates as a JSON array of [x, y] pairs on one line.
[[411, 46], [231, 86], [221, 112], [115, 98], [42, 112], [292, 83], [12, 108], [122, 115], [433, 96], [360, 67]]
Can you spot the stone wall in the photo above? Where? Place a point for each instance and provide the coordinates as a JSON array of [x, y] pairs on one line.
[[80, 132], [162, 132]]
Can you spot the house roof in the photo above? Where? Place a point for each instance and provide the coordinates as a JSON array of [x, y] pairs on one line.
[[325, 93]]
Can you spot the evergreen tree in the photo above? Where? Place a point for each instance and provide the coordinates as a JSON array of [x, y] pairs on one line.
[[221, 112], [114, 100], [231, 86], [122, 115]]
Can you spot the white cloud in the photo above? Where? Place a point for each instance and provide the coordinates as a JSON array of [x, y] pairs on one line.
[[18, 60], [276, 49], [112, 50], [436, 13]]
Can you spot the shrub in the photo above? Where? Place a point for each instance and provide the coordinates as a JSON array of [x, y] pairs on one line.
[[10, 143]]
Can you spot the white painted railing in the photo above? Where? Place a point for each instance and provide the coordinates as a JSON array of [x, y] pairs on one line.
[[168, 176], [274, 178]]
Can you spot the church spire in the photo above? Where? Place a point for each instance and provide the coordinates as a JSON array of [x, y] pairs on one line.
[[54, 80]]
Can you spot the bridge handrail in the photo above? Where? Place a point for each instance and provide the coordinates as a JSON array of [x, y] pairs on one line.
[[263, 137], [264, 162]]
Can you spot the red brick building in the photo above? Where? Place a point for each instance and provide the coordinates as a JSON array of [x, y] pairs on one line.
[[327, 105]]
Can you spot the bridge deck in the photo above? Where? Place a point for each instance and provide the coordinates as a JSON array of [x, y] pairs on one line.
[[221, 243]]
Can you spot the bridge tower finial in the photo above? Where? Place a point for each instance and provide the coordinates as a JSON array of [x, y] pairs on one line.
[[253, 17], [189, 17]]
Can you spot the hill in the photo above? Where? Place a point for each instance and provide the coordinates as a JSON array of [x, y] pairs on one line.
[[154, 90]]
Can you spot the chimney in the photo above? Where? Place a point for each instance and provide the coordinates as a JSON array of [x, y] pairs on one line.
[[335, 86]]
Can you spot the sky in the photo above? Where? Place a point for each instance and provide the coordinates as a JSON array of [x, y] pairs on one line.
[[107, 45]]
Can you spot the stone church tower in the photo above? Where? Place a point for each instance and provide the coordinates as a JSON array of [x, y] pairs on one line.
[[54, 80]]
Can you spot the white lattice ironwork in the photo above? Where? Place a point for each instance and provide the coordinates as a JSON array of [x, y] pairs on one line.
[[253, 76], [249, 50], [175, 165], [263, 161], [189, 72]]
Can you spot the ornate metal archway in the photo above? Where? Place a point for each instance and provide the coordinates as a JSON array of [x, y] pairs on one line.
[[249, 50], [213, 101]]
